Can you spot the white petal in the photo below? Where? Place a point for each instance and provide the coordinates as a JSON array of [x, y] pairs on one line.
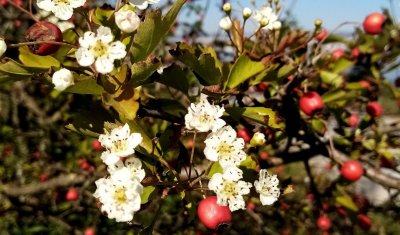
[[267, 199], [84, 57], [215, 181], [104, 34], [46, 5], [109, 158], [104, 65], [77, 3], [63, 12], [117, 50], [141, 4], [232, 173], [88, 39]]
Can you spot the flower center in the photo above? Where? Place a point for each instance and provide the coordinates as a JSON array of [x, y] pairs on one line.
[[100, 49], [119, 146], [205, 118], [229, 189], [225, 150], [120, 196], [62, 2]]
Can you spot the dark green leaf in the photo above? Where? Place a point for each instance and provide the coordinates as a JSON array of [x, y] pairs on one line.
[[243, 69]]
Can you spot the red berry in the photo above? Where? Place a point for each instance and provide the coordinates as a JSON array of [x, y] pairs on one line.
[[365, 84], [244, 134], [264, 156], [351, 170], [311, 103], [250, 206], [189, 144], [341, 211], [89, 231], [355, 53], [364, 221], [325, 206], [354, 120], [3, 2], [290, 77], [43, 31], [213, 215], [72, 195], [96, 145], [43, 177], [374, 109], [263, 86], [310, 196], [322, 35], [373, 23], [324, 223], [337, 53]]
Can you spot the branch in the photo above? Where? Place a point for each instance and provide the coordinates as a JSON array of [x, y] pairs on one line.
[[60, 181]]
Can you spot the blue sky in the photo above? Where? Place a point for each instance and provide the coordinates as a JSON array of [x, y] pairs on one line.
[[332, 12]]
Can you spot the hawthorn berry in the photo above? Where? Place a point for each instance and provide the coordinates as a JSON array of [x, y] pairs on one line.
[[352, 170], [373, 23], [96, 145], [374, 109], [324, 223], [322, 35], [72, 195], [311, 102], [213, 215], [89, 231], [43, 31], [337, 54], [364, 222], [244, 134], [354, 119]]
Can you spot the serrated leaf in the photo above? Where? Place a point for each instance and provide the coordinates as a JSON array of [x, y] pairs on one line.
[[346, 202], [215, 168], [87, 86], [243, 69], [142, 70], [35, 61], [145, 196], [265, 116], [153, 30], [203, 62]]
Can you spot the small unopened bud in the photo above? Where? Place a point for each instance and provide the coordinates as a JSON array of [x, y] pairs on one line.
[[225, 23], [3, 47], [247, 13], [264, 22], [318, 23], [278, 8], [227, 8], [257, 140], [276, 2], [127, 20]]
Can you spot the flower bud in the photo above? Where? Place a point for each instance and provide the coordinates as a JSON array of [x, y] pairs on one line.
[[264, 22], [3, 47], [318, 23], [227, 8], [258, 139], [127, 20], [62, 79], [247, 13], [225, 23]]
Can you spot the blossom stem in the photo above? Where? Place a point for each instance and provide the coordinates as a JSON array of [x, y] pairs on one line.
[[192, 154], [39, 42], [23, 10]]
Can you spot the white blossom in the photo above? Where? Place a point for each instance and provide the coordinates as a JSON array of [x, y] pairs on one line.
[[247, 12], [119, 199], [204, 116], [224, 146], [119, 143], [127, 20], [62, 79], [100, 50], [267, 18], [62, 9], [257, 139], [131, 168], [267, 187], [229, 188], [3, 47], [142, 4], [225, 23]]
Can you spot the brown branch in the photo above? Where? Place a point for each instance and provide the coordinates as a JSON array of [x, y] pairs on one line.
[[60, 181]]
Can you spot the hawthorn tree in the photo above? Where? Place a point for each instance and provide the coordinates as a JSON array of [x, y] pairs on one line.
[[110, 124]]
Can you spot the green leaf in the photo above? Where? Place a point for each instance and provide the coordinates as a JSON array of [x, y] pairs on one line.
[[265, 116], [86, 86], [125, 102], [101, 16], [142, 70], [369, 144], [318, 126], [11, 72], [146, 146], [338, 95], [153, 30], [147, 191], [215, 168], [203, 63], [341, 65], [243, 69], [35, 61], [175, 77], [347, 202], [249, 163], [333, 79]]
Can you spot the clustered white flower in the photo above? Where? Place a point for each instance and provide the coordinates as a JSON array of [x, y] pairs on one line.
[[267, 19], [3, 47], [119, 193], [61, 9], [100, 50], [62, 79], [223, 146], [142, 4]]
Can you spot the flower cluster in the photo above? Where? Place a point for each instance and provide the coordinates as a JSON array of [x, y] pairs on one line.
[[223, 146], [119, 194], [61, 9]]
